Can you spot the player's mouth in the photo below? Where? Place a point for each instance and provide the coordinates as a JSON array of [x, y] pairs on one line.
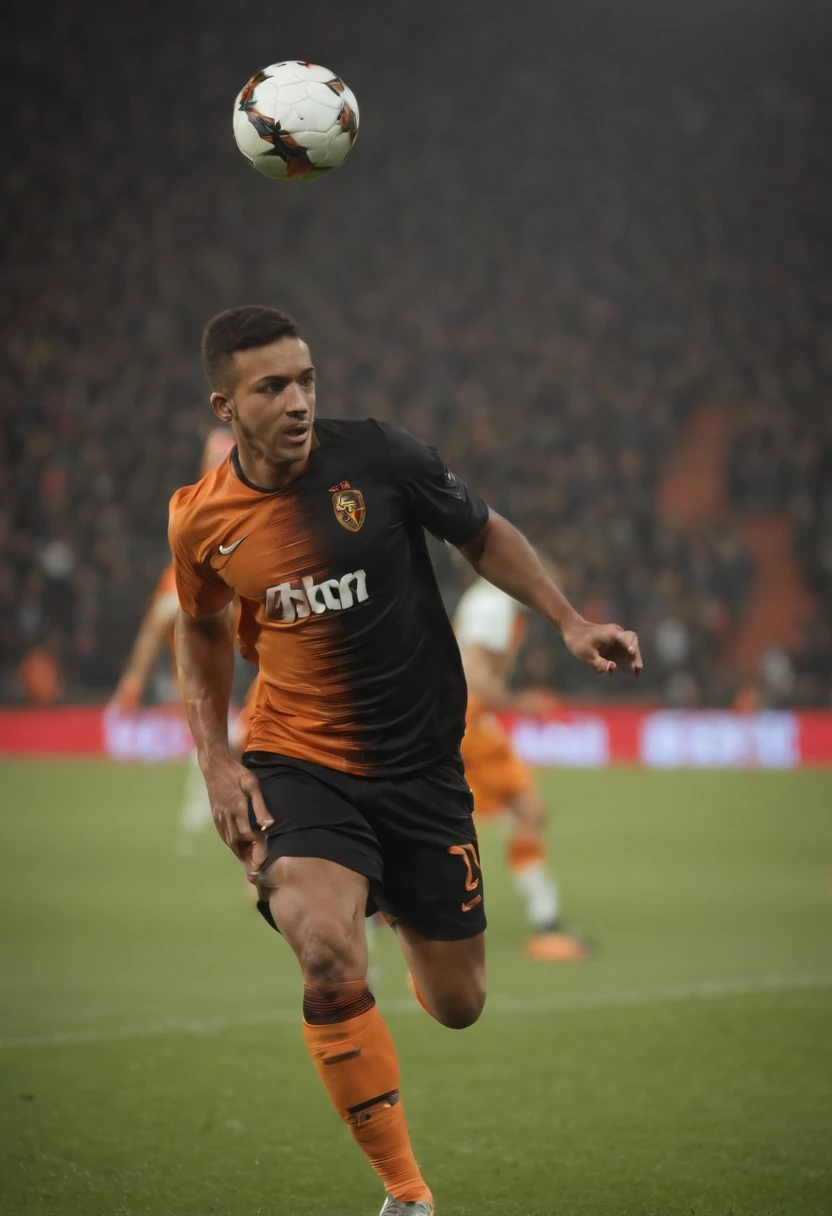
[[297, 433]]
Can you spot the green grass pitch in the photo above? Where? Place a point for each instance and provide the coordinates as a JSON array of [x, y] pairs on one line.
[[151, 1062]]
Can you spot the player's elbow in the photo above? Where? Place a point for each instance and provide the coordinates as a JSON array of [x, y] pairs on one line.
[[213, 626], [473, 549]]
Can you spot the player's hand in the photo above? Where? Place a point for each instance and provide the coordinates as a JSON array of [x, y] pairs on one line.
[[230, 787], [603, 647]]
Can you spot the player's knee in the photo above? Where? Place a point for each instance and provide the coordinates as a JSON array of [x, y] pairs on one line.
[[539, 812], [328, 956], [530, 812], [460, 1009]]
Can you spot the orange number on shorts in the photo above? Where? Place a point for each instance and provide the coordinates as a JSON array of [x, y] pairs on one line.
[[468, 853]]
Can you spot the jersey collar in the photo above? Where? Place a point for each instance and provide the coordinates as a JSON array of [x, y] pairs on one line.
[[234, 459]]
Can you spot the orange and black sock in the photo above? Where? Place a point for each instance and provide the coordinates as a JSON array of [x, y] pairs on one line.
[[354, 1054]]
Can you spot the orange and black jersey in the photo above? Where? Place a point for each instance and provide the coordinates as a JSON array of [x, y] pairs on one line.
[[339, 606]]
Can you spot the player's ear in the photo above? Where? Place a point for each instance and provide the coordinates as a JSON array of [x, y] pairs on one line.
[[222, 407]]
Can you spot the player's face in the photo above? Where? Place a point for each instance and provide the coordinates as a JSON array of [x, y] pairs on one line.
[[271, 401]]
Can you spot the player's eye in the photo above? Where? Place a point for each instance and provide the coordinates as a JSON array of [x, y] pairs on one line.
[[307, 381]]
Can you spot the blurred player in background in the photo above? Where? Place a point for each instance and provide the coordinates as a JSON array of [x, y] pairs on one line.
[[155, 633], [156, 629], [490, 627]]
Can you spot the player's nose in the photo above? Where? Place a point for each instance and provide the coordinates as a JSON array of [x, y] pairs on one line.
[[297, 403]]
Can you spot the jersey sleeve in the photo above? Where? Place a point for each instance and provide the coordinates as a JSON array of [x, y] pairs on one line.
[[438, 499], [200, 589]]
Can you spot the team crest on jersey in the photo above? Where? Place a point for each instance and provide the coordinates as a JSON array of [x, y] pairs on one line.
[[348, 505]]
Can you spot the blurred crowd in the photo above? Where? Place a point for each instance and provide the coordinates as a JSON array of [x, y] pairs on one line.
[[540, 261], [781, 461]]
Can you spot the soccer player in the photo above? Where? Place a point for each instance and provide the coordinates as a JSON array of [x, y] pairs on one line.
[[489, 627], [156, 632], [351, 794]]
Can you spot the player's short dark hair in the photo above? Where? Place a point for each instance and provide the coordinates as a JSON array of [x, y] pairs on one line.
[[241, 329]]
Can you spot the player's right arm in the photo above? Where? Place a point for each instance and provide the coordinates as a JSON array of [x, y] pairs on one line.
[[205, 659]]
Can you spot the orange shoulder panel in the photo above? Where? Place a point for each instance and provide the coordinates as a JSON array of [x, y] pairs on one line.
[[195, 513]]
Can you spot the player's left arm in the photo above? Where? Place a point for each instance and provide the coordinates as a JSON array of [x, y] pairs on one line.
[[443, 504], [155, 630], [500, 553]]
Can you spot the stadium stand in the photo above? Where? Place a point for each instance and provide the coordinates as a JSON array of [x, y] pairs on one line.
[[661, 252]]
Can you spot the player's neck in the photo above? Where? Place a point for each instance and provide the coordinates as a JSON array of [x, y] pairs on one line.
[[261, 473]]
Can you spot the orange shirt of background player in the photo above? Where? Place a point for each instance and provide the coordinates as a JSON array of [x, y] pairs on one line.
[[40, 677]]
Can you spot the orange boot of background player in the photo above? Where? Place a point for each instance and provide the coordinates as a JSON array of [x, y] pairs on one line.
[[551, 942]]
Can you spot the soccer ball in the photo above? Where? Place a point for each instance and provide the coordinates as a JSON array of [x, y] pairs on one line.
[[295, 121]]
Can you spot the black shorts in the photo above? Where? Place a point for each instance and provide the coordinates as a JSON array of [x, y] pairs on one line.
[[412, 837]]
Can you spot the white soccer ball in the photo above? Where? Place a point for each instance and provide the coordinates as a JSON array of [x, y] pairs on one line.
[[295, 121]]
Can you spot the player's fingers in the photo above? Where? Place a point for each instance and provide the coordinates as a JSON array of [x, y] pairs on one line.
[[628, 641], [225, 825], [251, 786], [235, 827], [602, 666], [241, 838], [256, 858]]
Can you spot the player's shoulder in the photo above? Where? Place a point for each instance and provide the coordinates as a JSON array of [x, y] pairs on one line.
[[363, 433], [348, 432], [190, 504], [380, 444]]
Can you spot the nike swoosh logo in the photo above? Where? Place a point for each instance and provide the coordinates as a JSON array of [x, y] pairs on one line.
[[230, 548], [472, 903]]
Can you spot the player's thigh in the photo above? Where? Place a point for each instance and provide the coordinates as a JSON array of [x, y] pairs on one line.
[[506, 779], [527, 809], [319, 907], [322, 855], [450, 976]]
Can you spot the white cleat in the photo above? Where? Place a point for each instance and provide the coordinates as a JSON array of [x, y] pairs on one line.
[[398, 1207]]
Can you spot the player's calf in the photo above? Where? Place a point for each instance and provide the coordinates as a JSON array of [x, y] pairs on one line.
[[448, 978]]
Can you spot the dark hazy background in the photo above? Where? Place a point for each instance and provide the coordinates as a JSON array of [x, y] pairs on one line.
[[560, 237]]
